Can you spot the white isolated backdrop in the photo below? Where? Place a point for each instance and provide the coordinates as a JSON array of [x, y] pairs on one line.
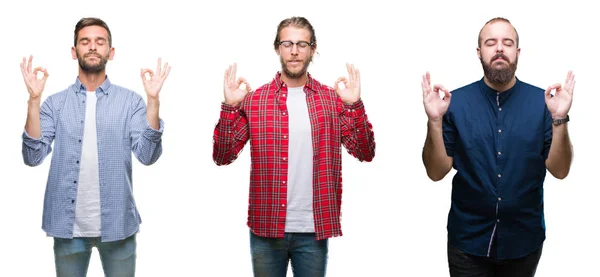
[[394, 218]]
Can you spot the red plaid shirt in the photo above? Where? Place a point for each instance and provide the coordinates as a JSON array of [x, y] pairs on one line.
[[262, 117]]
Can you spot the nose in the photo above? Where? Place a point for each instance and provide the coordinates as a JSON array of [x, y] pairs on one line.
[[499, 48], [294, 50]]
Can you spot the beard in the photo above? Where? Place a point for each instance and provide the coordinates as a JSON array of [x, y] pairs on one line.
[[501, 75], [298, 74], [90, 67]]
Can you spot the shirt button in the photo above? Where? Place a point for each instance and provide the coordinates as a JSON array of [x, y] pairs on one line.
[[283, 95], [497, 220], [500, 109], [284, 136], [499, 130], [499, 153], [283, 182], [81, 122], [72, 201], [499, 175], [283, 113], [74, 182], [499, 198], [77, 162], [285, 159], [79, 141], [283, 205]]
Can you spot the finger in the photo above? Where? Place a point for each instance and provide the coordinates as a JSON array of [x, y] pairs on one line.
[[357, 77], [233, 72], [447, 95], [36, 70], [570, 82], [226, 77], [428, 77], [168, 69], [342, 79], [438, 87], [147, 71], [23, 67], [243, 80], [547, 93], [164, 68], [29, 64], [46, 74], [158, 66], [424, 89]]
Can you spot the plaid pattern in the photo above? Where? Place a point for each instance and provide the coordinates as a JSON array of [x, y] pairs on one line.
[[262, 119]]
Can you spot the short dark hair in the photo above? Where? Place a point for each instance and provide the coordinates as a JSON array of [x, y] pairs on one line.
[[296, 21], [91, 21], [492, 21]]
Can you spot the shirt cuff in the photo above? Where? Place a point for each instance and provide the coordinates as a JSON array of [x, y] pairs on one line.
[[34, 143], [228, 111], [152, 134], [355, 109]]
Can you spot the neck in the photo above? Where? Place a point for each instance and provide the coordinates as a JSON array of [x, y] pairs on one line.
[[500, 87], [92, 81], [294, 81]]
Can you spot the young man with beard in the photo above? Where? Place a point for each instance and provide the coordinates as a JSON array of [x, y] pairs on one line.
[[500, 134], [95, 125], [296, 127]]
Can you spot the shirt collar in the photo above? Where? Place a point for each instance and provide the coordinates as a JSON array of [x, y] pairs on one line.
[[491, 92], [311, 84], [103, 88]]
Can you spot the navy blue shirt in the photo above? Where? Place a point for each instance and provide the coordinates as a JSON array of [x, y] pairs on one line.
[[499, 143]]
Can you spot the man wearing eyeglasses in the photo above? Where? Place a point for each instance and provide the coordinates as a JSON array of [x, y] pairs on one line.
[[296, 127], [500, 134]]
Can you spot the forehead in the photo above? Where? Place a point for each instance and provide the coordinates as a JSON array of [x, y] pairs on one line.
[[499, 30], [92, 32], [294, 33]]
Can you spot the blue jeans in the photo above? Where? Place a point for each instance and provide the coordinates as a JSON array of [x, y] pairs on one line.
[[270, 256], [72, 256]]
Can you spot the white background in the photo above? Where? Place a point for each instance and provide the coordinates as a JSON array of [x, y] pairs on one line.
[[394, 218]]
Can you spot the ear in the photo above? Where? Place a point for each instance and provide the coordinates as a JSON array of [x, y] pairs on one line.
[[111, 53], [479, 52], [278, 52], [73, 52], [518, 52]]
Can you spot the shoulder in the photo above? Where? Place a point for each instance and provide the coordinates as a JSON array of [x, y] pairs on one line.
[[463, 90]]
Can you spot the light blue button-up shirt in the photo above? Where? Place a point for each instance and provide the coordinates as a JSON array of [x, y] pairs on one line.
[[122, 128]]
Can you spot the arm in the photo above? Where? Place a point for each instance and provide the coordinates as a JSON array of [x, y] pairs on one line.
[[146, 141], [232, 131], [357, 132], [39, 133], [560, 154], [230, 135], [146, 125], [39, 126], [437, 155], [435, 158]]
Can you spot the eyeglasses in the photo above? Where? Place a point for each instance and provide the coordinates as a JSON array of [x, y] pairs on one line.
[[302, 46]]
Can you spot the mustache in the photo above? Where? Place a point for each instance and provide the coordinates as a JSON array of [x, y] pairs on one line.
[[500, 55], [95, 54]]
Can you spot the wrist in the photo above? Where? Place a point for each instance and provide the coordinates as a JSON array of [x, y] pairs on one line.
[[560, 119]]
